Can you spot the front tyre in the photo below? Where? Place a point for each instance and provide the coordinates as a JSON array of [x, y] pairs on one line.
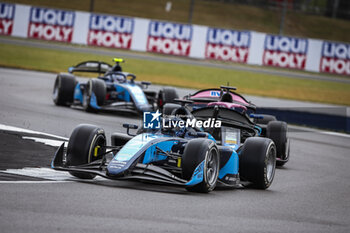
[[257, 162], [86, 144], [94, 95], [63, 90], [196, 151], [169, 109]]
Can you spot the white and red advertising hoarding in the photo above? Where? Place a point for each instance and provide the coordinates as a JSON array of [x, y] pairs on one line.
[[51, 24], [169, 38], [285, 52], [193, 41], [110, 31], [227, 45], [7, 12], [335, 58]]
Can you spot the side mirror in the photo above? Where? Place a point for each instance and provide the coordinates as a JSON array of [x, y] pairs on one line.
[[145, 84], [128, 127]]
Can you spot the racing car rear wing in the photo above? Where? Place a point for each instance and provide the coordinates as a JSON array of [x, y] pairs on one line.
[[91, 66]]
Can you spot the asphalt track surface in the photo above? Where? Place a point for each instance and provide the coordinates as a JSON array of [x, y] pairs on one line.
[[310, 194]]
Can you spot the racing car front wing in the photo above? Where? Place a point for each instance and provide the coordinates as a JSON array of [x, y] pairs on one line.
[[138, 171]]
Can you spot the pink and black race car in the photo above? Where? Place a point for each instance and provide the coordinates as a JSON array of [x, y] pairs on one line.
[[227, 98]]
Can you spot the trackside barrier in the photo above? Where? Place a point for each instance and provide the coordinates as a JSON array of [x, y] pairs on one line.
[[310, 119], [195, 41]]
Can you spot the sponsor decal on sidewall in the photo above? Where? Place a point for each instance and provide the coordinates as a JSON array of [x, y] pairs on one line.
[[227, 45], [335, 58], [169, 38], [110, 31], [51, 24], [7, 12], [285, 52]]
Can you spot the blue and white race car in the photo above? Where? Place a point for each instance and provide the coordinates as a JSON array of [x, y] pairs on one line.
[[186, 156], [115, 90]]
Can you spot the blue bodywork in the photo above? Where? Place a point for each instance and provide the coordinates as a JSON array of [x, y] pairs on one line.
[[127, 94], [142, 148], [141, 156]]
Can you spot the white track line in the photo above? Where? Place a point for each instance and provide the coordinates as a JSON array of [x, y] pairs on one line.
[[46, 173], [49, 142], [16, 129], [335, 134], [319, 131], [35, 182]]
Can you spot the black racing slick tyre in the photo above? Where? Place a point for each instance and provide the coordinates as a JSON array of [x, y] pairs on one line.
[[169, 108], [63, 90], [166, 95], [86, 144], [266, 119], [151, 97], [277, 132], [196, 151], [96, 89], [257, 162]]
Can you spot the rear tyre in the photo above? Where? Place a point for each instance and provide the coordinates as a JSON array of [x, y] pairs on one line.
[[277, 131], [63, 90], [85, 145], [195, 152], [266, 119], [166, 95], [94, 95], [258, 162]]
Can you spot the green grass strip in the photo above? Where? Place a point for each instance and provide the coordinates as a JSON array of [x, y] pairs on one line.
[[190, 76]]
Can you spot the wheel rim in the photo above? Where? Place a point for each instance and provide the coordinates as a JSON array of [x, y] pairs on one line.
[[97, 147], [212, 167], [55, 91], [86, 95], [271, 163], [86, 100], [287, 146]]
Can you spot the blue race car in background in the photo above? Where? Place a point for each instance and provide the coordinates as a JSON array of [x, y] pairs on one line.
[[186, 156], [115, 90]]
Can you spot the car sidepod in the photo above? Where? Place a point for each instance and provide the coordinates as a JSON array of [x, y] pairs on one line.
[[131, 92], [78, 94]]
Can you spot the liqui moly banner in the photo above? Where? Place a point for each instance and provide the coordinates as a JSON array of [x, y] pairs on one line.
[[227, 45], [169, 38], [110, 31], [7, 12], [51, 24], [335, 58], [285, 52]]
